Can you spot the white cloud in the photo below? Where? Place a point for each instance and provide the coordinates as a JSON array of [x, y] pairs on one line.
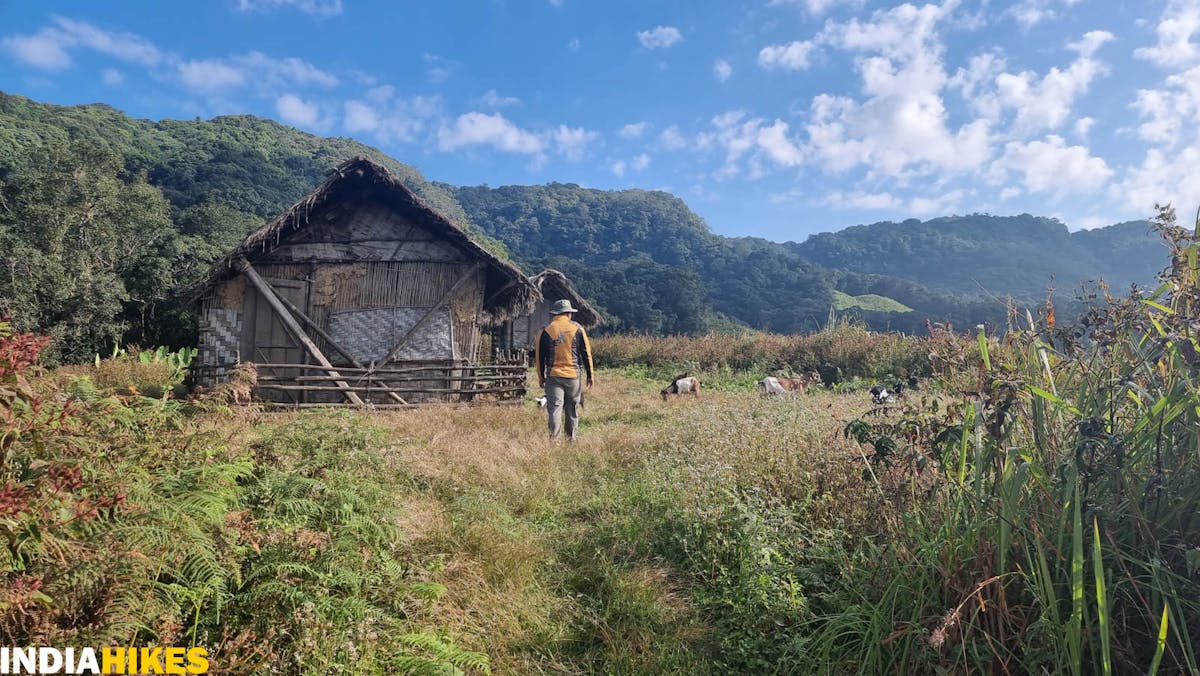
[[750, 144], [284, 72], [297, 112], [313, 7], [1051, 166], [41, 50], [815, 7], [659, 37], [864, 200], [438, 68], [491, 99], [1176, 30], [210, 76], [49, 48], [617, 167], [390, 118], [671, 139], [640, 162], [633, 130], [925, 206], [120, 45], [1046, 103], [1037, 102], [1029, 13], [1089, 222], [490, 130], [901, 124], [112, 77], [269, 74], [1091, 42], [790, 56], [1164, 178], [1083, 126], [722, 70], [775, 142], [572, 142], [1171, 110]]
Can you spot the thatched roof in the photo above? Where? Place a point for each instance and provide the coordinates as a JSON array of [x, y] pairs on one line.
[[554, 285], [507, 292]]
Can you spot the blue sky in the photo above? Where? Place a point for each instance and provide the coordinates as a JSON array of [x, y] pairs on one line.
[[776, 118]]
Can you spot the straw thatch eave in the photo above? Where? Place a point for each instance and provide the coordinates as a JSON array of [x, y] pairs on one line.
[[555, 285], [507, 292]]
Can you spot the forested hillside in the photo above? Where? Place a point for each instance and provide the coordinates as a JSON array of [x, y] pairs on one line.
[[978, 255], [103, 218], [649, 260]]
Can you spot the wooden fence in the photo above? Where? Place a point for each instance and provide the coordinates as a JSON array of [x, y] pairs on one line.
[[403, 385]]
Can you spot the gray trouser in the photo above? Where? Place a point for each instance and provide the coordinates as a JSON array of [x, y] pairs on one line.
[[563, 393]]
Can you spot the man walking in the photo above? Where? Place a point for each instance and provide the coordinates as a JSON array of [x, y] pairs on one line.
[[563, 356]]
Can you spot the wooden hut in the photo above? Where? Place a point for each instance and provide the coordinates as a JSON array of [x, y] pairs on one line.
[[519, 334], [361, 293]]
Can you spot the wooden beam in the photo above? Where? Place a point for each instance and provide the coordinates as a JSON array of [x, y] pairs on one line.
[[290, 323], [429, 313], [328, 339]]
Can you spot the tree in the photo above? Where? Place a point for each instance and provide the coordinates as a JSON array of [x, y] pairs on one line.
[[77, 245]]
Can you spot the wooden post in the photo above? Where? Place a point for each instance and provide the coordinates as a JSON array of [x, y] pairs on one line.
[[429, 313], [290, 322]]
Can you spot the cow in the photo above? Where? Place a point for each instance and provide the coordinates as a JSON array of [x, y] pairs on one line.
[[682, 384], [774, 386]]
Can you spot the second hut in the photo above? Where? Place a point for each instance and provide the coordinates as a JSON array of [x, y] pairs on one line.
[[519, 334]]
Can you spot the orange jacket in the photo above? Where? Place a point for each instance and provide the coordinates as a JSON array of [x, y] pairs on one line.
[[563, 350]]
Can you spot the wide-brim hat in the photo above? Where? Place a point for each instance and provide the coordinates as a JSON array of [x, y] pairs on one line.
[[562, 307]]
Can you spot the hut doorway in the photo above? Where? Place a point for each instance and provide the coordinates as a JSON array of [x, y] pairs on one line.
[[270, 342]]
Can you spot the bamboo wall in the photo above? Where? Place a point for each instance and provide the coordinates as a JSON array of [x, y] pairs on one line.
[[364, 274]]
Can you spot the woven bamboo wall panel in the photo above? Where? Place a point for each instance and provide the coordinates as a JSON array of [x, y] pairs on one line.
[[220, 341], [371, 333]]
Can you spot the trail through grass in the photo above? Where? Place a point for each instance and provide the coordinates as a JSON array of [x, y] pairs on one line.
[[565, 557]]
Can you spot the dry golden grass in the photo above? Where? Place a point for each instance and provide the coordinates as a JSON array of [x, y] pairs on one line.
[[490, 502]]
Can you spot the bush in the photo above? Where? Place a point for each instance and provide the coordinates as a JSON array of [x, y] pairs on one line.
[[130, 522]]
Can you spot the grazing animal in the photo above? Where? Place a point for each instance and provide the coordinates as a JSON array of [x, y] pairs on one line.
[[682, 384], [882, 394], [773, 386]]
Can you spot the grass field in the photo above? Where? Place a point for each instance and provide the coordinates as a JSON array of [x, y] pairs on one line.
[[1034, 507], [575, 557]]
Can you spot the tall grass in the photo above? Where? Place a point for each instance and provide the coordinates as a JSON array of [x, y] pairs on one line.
[[842, 350], [1062, 533]]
